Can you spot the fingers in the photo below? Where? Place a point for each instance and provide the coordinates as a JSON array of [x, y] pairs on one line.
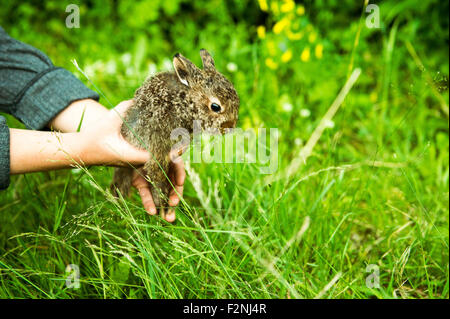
[[147, 200], [170, 215], [177, 176], [176, 152], [143, 188], [175, 195], [179, 173]]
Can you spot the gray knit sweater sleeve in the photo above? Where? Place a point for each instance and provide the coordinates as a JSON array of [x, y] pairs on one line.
[[33, 90]]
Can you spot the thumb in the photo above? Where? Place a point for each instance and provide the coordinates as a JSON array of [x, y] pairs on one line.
[[130, 154], [122, 108], [133, 154]]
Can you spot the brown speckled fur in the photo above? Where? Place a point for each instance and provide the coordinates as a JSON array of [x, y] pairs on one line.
[[162, 104]]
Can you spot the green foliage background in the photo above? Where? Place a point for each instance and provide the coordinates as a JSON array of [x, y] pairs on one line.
[[239, 237]]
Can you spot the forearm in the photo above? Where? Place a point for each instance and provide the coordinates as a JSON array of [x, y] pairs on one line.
[[33, 151], [98, 144], [86, 111]]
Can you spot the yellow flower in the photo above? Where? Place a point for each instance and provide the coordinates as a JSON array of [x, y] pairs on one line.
[[288, 6], [312, 37], [294, 36], [301, 10], [263, 5], [305, 55], [319, 51], [274, 7], [271, 63], [261, 30], [272, 48], [287, 56], [280, 25]]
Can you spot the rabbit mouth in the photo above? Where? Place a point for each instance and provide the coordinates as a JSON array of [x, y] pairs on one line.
[[227, 124]]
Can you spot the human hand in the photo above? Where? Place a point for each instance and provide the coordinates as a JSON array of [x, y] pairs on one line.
[[110, 148], [177, 176], [100, 143], [105, 144]]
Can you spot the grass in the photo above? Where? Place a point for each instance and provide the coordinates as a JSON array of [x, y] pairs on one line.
[[373, 190]]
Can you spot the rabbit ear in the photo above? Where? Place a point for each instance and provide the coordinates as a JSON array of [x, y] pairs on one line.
[[184, 69], [208, 62]]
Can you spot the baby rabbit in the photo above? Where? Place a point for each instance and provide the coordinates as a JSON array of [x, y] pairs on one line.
[[171, 100]]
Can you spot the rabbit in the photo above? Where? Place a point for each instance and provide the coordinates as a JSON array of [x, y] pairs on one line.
[[171, 100]]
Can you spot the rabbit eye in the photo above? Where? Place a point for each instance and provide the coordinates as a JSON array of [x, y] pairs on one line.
[[215, 107]]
